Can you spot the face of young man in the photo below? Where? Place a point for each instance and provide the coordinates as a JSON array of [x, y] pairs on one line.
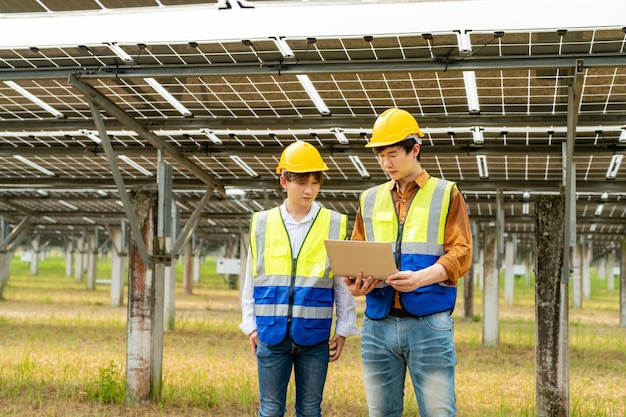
[[301, 191], [398, 163]]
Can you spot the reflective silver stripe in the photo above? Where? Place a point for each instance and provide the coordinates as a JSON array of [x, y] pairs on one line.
[[367, 210], [334, 232], [285, 280], [335, 225], [425, 248], [306, 282], [434, 214], [271, 309], [261, 222], [431, 247], [272, 280], [312, 312], [298, 311]]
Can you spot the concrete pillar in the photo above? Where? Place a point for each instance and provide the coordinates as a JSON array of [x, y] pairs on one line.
[[551, 347], [119, 261], [622, 285], [601, 267], [527, 262], [187, 269], [34, 258], [470, 280], [610, 266], [92, 261], [577, 277], [69, 257], [78, 265], [468, 293], [481, 268], [197, 266], [5, 256], [491, 311], [5, 261], [586, 270], [144, 342], [6, 270], [509, 273], [169, 297]]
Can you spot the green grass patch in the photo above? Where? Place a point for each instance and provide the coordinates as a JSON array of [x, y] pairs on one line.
[[63, 353]]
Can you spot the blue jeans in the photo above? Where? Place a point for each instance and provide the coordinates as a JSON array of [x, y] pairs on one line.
[[424, 345], [310, 365]]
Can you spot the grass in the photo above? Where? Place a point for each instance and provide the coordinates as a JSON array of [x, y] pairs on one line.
[[62, 353]]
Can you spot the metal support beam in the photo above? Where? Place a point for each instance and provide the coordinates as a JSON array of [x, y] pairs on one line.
[[164, 215], [96, 97], [539, 186], [17, 231], [8, 202], [569, 238], [326, 151], [324, 67], [119, 182], [499, 228], [191, 224], [229, 123]]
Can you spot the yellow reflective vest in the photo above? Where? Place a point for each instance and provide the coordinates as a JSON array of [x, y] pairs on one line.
[[293, 293], [418, 243]]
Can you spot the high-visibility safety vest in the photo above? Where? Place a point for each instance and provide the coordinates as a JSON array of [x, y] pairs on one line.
[[418, 243], [293, 292]]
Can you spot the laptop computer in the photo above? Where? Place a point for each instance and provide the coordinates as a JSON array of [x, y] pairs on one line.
[[349, 257]]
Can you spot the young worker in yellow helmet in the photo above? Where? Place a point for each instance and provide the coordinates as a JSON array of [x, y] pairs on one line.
[[407, 323], [289, 292]]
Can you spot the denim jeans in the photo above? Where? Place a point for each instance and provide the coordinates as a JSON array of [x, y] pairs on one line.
[[310, 365], [424, 345]]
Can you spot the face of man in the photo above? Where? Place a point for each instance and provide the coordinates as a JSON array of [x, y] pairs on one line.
[[301, 191], [398, 163]]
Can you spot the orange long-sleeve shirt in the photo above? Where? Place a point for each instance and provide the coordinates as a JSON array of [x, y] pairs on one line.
[[457, 257]]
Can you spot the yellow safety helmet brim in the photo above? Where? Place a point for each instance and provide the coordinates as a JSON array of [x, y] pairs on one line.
[[393, 126]]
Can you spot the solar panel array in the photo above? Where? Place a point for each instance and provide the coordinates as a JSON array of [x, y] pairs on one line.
[[245, 102]]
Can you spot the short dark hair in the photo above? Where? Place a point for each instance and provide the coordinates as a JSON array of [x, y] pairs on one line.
[[406, 144], [303, 176]]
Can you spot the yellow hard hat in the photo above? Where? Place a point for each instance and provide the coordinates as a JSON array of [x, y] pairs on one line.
[[301, 157], [392, 126]]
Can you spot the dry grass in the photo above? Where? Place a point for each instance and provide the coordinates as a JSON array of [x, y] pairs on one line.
[[62, 353]]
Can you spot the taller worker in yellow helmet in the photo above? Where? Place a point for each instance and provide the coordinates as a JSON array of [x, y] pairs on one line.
[[407, 323], [289, 292]]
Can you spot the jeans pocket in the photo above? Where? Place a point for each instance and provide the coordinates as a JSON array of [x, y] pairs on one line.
[[440, 322]]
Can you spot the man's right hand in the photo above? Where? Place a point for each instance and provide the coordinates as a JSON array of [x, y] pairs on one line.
[[360, 286], [254, 341]]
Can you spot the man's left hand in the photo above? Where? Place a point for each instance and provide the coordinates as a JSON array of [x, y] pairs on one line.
[[404, 281]]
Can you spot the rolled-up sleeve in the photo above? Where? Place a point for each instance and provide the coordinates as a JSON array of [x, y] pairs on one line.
[[345, 309], [457, 257]]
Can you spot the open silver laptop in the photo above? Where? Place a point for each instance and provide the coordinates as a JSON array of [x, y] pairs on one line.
[[349, 257]]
